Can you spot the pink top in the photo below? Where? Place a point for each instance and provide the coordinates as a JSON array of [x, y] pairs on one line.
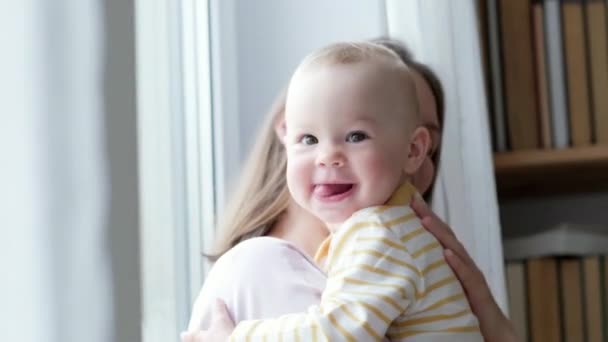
[[263, 277]]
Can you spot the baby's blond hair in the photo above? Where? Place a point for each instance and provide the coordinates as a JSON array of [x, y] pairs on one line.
[[344, 53]]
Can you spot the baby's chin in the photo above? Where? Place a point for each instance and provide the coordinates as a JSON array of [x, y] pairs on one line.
[[334, 220]]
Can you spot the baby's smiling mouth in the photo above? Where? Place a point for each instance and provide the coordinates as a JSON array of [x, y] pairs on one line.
[[332, 190]]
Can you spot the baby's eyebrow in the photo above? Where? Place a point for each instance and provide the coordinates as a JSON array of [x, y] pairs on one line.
[[366, 119]]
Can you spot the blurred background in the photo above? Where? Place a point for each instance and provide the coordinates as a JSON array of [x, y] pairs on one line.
[[125, 123]]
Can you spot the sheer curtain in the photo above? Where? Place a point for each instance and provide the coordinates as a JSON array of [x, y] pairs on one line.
[[57, 283], [444, 35]]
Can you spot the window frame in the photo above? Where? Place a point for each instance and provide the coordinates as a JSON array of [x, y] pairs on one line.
[[176, 159]]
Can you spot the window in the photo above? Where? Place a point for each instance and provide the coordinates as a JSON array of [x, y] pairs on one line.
[[175, 137]]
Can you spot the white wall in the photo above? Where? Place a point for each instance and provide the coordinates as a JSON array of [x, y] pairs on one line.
[[265, 40]]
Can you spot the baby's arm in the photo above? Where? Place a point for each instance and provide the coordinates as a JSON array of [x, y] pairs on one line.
[[371, 281]]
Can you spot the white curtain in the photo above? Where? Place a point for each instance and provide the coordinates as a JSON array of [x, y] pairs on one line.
[[443, 34], [56, 283]]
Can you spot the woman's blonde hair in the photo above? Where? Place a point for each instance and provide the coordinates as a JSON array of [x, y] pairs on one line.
[[261, 196]]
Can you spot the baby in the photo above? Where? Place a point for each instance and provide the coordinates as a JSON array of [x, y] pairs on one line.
[[353, 139]]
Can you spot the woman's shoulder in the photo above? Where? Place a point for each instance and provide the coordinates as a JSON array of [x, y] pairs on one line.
[[259, 249], [260, 277]]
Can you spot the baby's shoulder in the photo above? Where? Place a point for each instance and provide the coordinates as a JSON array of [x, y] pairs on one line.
[[385, 215]]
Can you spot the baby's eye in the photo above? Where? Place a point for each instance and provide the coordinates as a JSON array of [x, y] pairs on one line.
[[356, 137], [308, 139]]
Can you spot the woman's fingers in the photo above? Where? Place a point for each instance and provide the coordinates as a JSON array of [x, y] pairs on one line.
[[436, 225], [495, 326], [469, 275], [441, 230], [446, 237]]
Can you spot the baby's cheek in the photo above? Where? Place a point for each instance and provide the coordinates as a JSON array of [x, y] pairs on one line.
[[299, 176]]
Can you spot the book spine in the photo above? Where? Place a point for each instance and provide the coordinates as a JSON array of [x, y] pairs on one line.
[[597, 31], [498, 112], [576, 73], [518, 64], [544, 110], [557, 86]]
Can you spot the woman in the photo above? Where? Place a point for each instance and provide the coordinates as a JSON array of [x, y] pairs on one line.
[[273, 275]]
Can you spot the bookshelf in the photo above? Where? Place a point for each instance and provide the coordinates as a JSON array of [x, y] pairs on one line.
[[546, 75], [551, 171]]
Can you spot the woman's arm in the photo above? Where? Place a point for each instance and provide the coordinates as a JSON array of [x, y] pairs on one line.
[[495, 326]]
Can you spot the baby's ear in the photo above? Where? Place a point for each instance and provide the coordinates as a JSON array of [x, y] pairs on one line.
[[420, 143], [280, 128]]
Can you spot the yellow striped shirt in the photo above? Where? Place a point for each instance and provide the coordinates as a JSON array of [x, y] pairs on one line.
[[386, 278]]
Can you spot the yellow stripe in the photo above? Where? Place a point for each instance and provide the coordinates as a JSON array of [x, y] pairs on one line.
[[343, 331], [430, 319], [433, 266], [400, 220], [364, 324], [385, 241], [323, 250], [368, 224], [339, 244], [407, 237], [444, 301], [317, 330], [425, 249], [376, 312], [390, 301], [382, 209], [296, 332], [441, 283], [379, 271], [389, 258], [251, 329], [399, 288], [368, 307], [459, 329]]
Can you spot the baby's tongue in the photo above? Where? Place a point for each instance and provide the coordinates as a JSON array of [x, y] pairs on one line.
[[326, 190]]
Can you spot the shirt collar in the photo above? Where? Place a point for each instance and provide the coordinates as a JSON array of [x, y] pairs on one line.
[[403, 195]]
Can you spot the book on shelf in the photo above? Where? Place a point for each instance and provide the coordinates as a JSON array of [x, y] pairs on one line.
[[571, 295], [546, 64], [499, 123], [565, 275], [605, 272], [576, 72], [597, 31], [538, 23], [518, 73], [543, 300], [516, 292], [593, 299], [556, 77]]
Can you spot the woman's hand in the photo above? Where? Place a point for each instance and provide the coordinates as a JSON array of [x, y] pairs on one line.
[[494, 325], [220, 329]]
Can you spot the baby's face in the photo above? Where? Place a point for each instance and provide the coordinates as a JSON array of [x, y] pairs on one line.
[[348, 138]]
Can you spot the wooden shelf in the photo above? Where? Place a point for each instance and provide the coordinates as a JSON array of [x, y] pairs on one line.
[[543, 172]]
